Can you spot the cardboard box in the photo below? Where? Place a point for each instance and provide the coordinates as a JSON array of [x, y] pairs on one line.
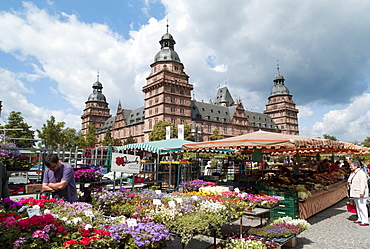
[[33, 188]]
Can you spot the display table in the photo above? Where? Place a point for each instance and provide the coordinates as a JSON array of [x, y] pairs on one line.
[[258, 212], [322, 199]]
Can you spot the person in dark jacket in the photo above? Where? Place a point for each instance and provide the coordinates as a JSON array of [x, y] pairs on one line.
[[4, 190]]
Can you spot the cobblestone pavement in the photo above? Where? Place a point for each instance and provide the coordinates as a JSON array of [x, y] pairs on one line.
[[333, 228]]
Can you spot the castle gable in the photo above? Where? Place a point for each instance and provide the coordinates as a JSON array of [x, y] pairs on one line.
[[209, 112], [260, 120]]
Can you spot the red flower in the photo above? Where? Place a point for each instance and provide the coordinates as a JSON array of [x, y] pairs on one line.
[[120, 161], [61, 229], [70, 242], [85, 233], [85, 241]]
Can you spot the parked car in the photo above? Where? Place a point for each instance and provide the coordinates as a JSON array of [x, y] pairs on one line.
[[35, 172]]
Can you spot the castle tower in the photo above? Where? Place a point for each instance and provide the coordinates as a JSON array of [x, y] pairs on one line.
[[96, 108], [281, 108], [167, 92]]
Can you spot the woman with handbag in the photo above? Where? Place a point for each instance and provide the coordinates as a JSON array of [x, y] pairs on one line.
[[359, 191]]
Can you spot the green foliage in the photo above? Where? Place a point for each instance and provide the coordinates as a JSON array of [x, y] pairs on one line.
[[326, 136], [51, 133], [70, 138], [159, 131], [130, 140], [109, 140], [16, 121], [366, 142], [216, 135], [187, 132], [90, 137]]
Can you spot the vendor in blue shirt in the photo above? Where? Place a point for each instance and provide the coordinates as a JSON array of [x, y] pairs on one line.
[[59, 179]]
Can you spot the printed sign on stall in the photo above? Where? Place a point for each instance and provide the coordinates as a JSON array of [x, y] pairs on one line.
[[125, 163]]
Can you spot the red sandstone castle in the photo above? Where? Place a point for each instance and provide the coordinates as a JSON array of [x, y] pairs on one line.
[[168, 98]]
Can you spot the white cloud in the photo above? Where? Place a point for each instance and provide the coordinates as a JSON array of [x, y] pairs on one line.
[[304, 111], [351, 123]]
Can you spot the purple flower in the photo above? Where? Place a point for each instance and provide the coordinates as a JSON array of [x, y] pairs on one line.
[[18, 242]]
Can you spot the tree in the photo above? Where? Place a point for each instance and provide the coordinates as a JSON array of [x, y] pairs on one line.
[[366, 142], [90, 137], [326, 136], [130, 140], [51, 133], [159, 131], [15, 121], [109, 140], [187, 132], [215, 135], [70, 138]]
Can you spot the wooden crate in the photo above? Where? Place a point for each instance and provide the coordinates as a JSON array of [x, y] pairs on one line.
[[33, 188]]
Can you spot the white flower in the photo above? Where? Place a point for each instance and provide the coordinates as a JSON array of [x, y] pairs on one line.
[[36, 207], [76, 220], [46, 211], [88, 226]]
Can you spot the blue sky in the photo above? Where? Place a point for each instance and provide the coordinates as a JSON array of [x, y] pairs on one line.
[[51, 51]]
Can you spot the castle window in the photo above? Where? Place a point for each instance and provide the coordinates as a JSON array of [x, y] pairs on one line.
[[181, 91], [173, 90], [181, 101], [182, 111], [203, 109], [218, 111], [156, 100], [209, 128], [211, 110], [150, 124], [156, 110], [226, 113], [176, 68]]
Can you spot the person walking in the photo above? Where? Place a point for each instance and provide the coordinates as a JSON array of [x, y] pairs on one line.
[[59, 179], [359, 191]]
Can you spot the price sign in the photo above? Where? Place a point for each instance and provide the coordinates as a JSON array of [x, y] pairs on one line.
[[237, 190], [178, 200], [158, 192], [172, 204], [89, 213], [131, 222], [157, 202], [33, 211]]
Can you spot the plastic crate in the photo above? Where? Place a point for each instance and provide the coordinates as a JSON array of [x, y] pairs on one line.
[[279, 213], [284, 193]]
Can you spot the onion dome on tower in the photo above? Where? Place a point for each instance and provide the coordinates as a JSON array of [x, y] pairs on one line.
[[97, 94], [279, 87], [167, 52]]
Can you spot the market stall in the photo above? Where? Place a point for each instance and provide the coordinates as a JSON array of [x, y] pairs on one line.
[[283, 144], [322, 199]]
